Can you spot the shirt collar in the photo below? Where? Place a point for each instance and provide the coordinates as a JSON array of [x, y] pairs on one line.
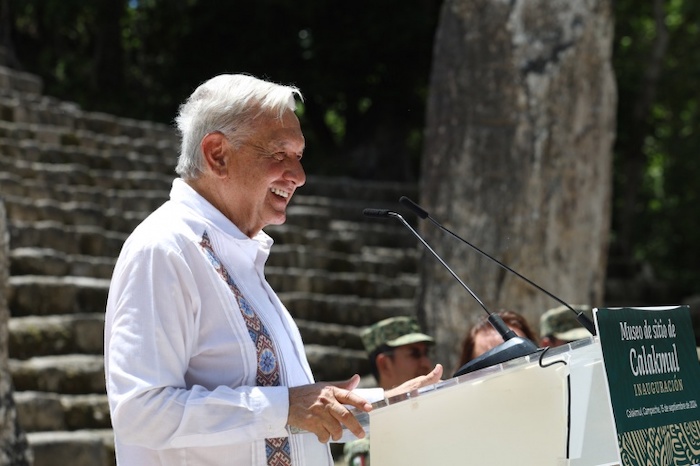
[[182, 193]]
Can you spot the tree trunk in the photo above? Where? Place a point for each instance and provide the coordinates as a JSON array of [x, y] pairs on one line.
[[14, 450], [517, 159]]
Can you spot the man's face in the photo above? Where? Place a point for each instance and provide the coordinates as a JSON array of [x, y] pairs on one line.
[[263, 174], [404, 363]]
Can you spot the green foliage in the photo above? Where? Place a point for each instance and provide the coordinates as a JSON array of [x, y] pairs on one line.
[[363, 66], [666, 138]]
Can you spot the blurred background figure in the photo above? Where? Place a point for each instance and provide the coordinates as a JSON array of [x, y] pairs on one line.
[[482, 336], [558, 326], [397, 350]]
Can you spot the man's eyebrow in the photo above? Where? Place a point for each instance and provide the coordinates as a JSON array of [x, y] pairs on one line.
[[284, 146]]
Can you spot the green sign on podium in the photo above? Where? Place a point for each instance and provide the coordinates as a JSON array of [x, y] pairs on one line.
[[654, 383]]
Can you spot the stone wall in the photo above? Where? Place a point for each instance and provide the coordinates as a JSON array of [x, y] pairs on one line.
[[14, 450]]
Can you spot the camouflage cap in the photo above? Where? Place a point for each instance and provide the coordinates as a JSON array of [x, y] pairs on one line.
[[393, 332], [562, 323]]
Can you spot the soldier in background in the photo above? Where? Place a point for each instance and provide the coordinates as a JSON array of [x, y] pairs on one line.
[[398, 351], [559, 326]]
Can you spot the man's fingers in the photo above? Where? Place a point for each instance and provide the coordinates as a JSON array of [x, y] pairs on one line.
[[340, 415], [323, 436], [335, 429], [436, 374], [353, 382], [331, 421], [431, 378], [343, 417], [321, 409], [350, 398], [329, 405], [350, 384], [414, 384]]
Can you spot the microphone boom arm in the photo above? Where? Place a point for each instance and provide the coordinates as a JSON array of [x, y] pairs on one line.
[[513, 346], [427, 246], [422, 213]]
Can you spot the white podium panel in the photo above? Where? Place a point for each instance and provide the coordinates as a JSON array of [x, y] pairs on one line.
[[511, 415], [593, 438], [520, 412]]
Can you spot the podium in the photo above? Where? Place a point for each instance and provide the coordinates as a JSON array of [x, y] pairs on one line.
[[549, 408]]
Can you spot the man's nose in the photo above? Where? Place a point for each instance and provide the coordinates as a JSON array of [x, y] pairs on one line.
[[295, 173]]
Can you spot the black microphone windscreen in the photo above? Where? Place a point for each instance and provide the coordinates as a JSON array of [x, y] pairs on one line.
[[418, 210]]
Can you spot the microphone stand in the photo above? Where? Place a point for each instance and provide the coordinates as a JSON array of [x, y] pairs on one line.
[[513, 346], [420, 212]]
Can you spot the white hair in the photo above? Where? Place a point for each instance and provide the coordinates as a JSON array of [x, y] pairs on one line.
[[228, 103]]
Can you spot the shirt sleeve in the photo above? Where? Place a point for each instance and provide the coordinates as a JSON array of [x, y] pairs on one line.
[[151, 327]]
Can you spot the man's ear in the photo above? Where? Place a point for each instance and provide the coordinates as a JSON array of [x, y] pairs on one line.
[[215, 151], [382, 362]]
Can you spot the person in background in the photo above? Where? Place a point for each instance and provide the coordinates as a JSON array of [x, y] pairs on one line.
[[481, 337], [559, 326], [204, 364], [397, 350]]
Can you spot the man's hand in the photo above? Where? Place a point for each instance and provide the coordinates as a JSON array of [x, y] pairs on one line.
[[318, 408], [414, 384]]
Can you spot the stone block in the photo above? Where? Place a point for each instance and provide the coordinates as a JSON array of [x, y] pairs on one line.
[[69, 295], [69, 374], [20, 81], [79, 448], [89, 411], [40, 411], [33, 336]]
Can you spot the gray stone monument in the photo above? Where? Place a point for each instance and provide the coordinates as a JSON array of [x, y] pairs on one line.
[[517, 159]]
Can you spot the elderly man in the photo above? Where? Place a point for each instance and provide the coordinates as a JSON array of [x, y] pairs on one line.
[[204, 364]]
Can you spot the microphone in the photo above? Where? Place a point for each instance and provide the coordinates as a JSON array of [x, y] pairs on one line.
[[513, 346], [422, 213]]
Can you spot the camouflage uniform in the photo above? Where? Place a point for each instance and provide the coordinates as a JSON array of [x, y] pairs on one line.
[[392, 332], [561, 323]]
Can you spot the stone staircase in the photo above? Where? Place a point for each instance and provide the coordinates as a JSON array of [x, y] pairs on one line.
[[74, 185]]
